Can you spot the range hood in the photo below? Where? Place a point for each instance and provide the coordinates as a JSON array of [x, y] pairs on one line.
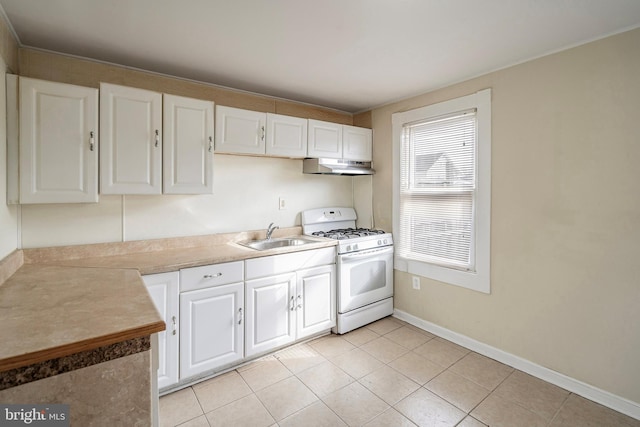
[[336, 167]]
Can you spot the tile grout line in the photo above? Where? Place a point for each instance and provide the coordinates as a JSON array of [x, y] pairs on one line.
[[201, 409], [357, 380], [254, 392], [387, 364], [564, 402], [488, 395]]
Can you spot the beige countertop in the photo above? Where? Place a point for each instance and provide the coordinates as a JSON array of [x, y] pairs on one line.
[[50, 311], [64, 300], [161, 261]]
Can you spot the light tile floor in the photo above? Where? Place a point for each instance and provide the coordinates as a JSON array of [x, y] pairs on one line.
[[388, 373]]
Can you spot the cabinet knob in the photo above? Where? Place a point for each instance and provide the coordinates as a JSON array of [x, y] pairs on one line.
[[299, 301]]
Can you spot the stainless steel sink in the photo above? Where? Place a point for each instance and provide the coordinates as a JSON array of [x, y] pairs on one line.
[[263, 245]]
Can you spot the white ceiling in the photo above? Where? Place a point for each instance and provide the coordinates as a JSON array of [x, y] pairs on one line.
[[350, 55]]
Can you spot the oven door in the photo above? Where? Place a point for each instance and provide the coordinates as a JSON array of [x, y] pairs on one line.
[[364, 278]]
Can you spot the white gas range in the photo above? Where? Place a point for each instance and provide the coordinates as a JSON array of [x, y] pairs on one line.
[[364, 266]]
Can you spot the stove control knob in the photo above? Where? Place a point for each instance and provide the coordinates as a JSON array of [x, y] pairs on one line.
[[385, 241], [379, 242], [348, 248], [355, 247]]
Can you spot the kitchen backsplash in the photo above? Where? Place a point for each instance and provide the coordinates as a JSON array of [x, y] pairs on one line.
[[246, 196]]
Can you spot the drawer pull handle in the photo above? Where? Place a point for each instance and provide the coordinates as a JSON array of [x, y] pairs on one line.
[[210, 144], [157, 138], [240, 314], [173, 319], [212, 276], [91, 141], [292, 305]]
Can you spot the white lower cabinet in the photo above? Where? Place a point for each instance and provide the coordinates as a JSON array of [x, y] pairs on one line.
[[232, 311], [316, 300], [164, 291], [289, 305], [211, 328], [271, 320], [212, 317]]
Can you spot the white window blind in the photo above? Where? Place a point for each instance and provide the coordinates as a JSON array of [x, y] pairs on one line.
[[438, 189]]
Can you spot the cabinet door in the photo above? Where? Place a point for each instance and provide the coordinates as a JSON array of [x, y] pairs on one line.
[[270, 313], [240, 131], [325, 140], [58, 142], [356, 143], [286, 136], [131, 140], [163, 289], [211, 328], [188, 145], [316, 300]]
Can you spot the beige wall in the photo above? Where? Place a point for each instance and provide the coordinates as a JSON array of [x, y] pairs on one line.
[[8, 46], [246, 193], [565, 237], [8, 214], [66, 69]]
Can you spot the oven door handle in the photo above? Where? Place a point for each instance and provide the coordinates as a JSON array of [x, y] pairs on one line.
[[367, 253]]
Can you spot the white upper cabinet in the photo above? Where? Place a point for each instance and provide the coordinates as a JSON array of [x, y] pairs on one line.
[[325, 139], [286, 136], [188, 145], [131, 140], [58, 142], [335, 141], [356, 143], [240, 131]]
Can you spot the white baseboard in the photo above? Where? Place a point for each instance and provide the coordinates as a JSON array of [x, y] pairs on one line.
[[587, 391]]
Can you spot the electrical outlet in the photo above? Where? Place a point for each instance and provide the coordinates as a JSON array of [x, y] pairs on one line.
[[415, 280], [282, 204]]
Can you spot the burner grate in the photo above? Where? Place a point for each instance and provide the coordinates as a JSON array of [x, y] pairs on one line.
[[348, 233]]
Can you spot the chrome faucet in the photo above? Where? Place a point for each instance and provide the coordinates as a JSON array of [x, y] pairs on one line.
[[270, 229]]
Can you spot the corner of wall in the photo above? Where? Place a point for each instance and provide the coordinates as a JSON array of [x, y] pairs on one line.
[[364, 120], [8, 43]]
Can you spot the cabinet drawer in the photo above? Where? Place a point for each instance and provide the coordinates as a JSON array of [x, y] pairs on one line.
[[278, 264], [211, 275]]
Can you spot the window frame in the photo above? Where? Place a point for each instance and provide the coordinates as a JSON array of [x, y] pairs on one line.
[[480, 279]]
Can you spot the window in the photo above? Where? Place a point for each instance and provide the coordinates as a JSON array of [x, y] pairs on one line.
[[442, 191]]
